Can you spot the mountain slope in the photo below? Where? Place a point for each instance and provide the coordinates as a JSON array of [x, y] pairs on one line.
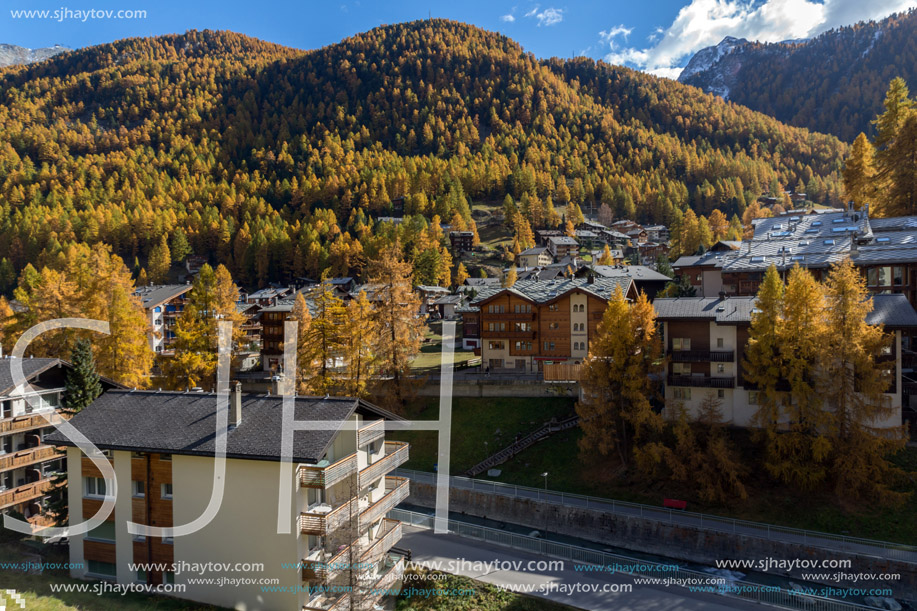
[[834, 83], [263, 155], [11, 55]]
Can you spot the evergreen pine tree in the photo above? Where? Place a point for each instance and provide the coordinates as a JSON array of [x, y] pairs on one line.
[[82, 385]]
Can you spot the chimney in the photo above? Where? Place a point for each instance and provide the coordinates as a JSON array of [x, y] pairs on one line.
[[235, 405], [722, 295], [277, 384]]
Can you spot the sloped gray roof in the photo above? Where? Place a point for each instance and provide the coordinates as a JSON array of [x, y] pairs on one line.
[[30, 368], [893, 311], [731, 310], [152, 296], [637, 272], [184, 423], [541, 291]]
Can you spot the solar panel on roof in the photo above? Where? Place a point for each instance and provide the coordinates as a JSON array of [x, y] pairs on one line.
[[829, 242]]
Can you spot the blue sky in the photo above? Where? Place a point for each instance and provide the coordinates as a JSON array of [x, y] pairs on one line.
[[654, 35]]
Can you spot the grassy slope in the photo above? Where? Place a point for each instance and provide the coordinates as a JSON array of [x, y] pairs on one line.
[[475, 421], [767, 502]]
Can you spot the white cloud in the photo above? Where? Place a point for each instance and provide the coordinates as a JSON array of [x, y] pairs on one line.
[[532, 12], [703, 23], [550, 16], [608, 36], [508, 18]]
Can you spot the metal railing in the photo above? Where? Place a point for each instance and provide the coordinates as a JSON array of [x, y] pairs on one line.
[[768, 595], [702, 521]]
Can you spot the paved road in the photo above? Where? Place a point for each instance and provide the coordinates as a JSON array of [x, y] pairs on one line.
[[701, 521], [427, 547]]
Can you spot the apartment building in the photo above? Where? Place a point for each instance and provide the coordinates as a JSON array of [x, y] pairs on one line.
[[336, 553], [885, 249], [562, 246], [163, 304], [272, 319], [533, 323], [461, 241], [27, 461], [705, 340], [534, 257]]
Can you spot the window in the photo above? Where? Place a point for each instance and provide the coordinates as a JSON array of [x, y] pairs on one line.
[[885, 276], [93, 486], [681, 343], [141, 575], [683, 394], [720, 393], [681, 369], [898, 276], [552, 307], [753, 397], [168, 577], [872, 276], [103, 532], [524, 346], [166, 491], [522, 309], [137, 455], [720, 368], [496, 345], [522, 326], [496, 326], [720, 342], [554, 325], [549, 346], [165, 457], [138, 488], [106, 569]]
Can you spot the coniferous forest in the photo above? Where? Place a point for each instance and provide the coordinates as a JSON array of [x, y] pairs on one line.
[[276, 161]]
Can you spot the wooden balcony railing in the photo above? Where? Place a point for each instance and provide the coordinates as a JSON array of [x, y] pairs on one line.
[[24, 423], [389, 535], [329, 604], [24, 493], [396, 490], [396, 454], [371, 432], [703, 356], [27, 457], [702, 381], [508, 334], [322, 524], [313, 476]]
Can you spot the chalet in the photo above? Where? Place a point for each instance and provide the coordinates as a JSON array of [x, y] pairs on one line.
[[534, 322], [538, 256], [461, 241]]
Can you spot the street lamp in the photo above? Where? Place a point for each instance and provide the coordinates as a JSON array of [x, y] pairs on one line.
[[545, 476]]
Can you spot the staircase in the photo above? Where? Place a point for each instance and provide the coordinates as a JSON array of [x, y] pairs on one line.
[[517, 446]]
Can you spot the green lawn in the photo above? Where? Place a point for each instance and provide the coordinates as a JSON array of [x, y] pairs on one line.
[[467, 595], [430, 358], [480, 427], [767, 502]]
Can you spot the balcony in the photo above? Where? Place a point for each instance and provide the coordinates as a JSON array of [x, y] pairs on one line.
[[509, 334], [25, 493], [324, 567], [325, 603], [325, 476], [322, 520], [33, 421], [396, 490], [27, 457], [703, 356], [370, 433], [396, 454], [392, 571], [701, 381], [388, 536]]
